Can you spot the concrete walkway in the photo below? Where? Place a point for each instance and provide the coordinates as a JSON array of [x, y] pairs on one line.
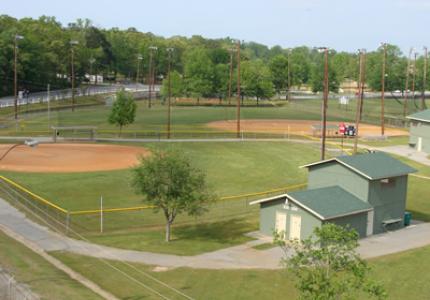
[[407, 152], [238, 257]]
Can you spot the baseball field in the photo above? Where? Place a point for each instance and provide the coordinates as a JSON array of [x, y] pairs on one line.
[[75, 174]]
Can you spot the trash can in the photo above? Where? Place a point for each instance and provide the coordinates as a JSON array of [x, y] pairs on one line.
[[408, 218]]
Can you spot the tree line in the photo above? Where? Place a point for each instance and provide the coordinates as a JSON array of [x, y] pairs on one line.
[[201, 67]]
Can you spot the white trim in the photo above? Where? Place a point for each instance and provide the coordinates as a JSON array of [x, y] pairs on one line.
[[417, 119], [370, 220], [305, 207], [354, 169], [268, 199], [317, 163]]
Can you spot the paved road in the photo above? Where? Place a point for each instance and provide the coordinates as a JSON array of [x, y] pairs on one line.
[[238, 257], [408, 152]]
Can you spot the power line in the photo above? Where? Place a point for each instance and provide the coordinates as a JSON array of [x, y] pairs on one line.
[[101, 249]]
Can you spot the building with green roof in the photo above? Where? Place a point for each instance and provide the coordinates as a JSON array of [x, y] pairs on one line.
[[366, 192], [419, 132]]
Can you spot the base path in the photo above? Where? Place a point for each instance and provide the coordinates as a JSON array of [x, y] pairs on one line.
[[238, 257], [69, 157], [298, 127]]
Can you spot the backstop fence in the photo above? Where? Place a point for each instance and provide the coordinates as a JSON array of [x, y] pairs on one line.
[[10, 289]]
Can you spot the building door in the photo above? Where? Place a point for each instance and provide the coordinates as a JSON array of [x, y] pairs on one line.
[[281, 223], [420, 144], [369, 230], [295, 227]]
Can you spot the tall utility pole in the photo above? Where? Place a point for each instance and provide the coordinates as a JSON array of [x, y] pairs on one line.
[[414, 64], [384, 62], [151, 73], [231, 75], [139, 58], [325, 102], [49, 105], [423, 93], [288, 74], [72, 50], [17, 37], [405, 103], [238, 90], [92, 60], [360, 99], [169, 84]]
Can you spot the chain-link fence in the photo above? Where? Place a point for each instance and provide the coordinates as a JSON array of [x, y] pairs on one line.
[[10, 289]]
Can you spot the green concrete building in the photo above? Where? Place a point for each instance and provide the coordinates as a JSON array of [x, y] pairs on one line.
[[419, 132], [366, 192]]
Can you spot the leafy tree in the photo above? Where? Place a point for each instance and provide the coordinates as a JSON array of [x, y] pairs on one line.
[[170, 183], [327, 267], [199, 73], [123, 110], [256, 80], [176, 85], [279, 70]]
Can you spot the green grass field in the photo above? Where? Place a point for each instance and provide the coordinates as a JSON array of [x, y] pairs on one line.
[[152, 122], [397, 272], [42, 278]]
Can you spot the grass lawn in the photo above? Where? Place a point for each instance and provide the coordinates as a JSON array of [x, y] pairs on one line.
[[230, 169], [42, 278], [194, 118], [397, 272], [264, 246]]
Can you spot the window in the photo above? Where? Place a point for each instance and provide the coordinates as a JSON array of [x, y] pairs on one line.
[[388, 182]]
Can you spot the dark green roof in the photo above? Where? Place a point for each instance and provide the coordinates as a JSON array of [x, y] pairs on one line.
[[373, 166], [421, 116], [329, 202]]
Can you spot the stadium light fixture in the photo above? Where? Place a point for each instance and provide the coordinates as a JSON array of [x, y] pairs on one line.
[[169, 58], [72, 44], [16, 39], [151, 74]]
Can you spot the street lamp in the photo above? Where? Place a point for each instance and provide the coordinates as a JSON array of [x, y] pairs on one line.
[[139, 59], [169, 56], [358, 113], [423, 94], [92, 60], [151, 75], [288, 74], [231, 50], [72, 44], [324, 50], [383, 75], [16, 39], [238, 89]]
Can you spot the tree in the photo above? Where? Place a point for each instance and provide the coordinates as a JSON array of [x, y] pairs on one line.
[[199, 73], [256, 80], [123, 110], [279, 70], [326, 265], [317, 76], [169, 183], [176, 85]]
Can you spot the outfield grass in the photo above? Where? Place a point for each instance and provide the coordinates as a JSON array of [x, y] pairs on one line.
[[42, 278], [231, 170], [398, 273], [194, 118]]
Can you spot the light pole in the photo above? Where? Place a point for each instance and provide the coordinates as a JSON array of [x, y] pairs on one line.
[[288, 74], [362, 53], [139, 59], [231, 50], [405, 103], [169, 54], [16, 39], [72, 50], [92, 60], [151, 73], [414, 64], [325, 101], [238, 91], [423, 94], [384, 61]]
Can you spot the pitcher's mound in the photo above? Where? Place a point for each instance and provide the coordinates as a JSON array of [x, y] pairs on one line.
[[69, 157]]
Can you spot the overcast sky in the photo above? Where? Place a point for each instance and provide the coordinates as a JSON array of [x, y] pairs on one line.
[[340, 24]]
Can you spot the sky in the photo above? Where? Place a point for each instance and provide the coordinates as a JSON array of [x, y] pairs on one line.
[[344, 25]]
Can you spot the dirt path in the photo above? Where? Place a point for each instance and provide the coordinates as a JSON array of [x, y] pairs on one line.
[[69, 157], [298, 127]]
